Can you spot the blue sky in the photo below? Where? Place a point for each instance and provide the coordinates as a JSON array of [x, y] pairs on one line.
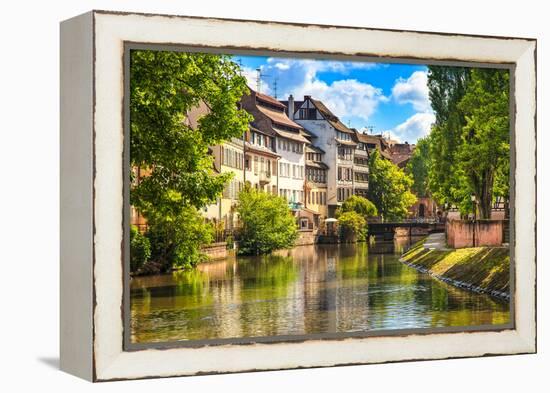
[[392, 98]]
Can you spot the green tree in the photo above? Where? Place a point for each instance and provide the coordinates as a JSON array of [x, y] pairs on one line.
[[447, 86], [352, 226], [176, 242], [165, 87], [469, 142], [267, 222], [389, 188], [418, 167], [140, 249], [485, 150], [358, 204]]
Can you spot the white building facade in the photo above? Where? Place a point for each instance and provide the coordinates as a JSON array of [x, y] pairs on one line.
[[287, 143], [291, 169], [335, 139], [228, 157], [261, 161]]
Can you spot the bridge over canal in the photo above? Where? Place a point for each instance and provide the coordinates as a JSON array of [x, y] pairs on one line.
[[410, 227]]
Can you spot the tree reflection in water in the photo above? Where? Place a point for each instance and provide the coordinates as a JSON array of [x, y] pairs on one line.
[[309, 289]]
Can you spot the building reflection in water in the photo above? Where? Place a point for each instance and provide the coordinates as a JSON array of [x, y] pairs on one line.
[[309, 289]]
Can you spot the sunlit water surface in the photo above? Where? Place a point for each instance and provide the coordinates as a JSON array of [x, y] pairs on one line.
[[306, 290]]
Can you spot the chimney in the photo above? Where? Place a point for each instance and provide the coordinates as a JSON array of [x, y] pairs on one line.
[[291, 107]]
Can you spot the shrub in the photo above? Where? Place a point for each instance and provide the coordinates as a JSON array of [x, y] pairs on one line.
[[177, 241], [230, 242], [352, 226], [364, 209], [360, 205], [267, 223], [140, 249]]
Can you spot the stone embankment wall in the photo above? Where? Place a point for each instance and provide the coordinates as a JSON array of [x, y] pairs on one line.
[[478, 269], [215, 251], [305, 238]]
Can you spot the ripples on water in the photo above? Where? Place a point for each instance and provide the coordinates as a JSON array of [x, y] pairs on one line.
[[310, 289]]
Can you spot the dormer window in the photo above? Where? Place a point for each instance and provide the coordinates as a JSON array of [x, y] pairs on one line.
[[307, 114], [343, 136]]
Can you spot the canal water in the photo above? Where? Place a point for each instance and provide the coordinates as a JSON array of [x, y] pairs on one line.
[[306, 290]]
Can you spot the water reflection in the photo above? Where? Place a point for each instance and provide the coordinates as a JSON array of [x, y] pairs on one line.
[[310, 289]]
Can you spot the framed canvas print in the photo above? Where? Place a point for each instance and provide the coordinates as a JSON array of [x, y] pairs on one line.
[[246, 195]]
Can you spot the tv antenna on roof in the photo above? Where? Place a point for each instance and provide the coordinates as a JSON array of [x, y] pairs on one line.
[[370, 129], [240, 63], [275, 87], [259, 76]]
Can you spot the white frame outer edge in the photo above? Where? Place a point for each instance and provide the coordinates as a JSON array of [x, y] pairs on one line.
[[95, 351]]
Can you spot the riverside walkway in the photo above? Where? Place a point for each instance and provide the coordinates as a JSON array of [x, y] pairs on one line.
[[436, 241]]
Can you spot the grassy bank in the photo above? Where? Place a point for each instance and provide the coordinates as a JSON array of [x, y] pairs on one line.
[[480, 269]]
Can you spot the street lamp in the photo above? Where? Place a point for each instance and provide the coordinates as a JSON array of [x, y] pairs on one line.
[[473, 198]]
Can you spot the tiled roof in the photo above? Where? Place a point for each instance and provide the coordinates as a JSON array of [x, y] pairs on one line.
[[270, 100], [261, 150], [315, 164], [314, 149], [310, 211], [268, 132], [377, 140], [366, 138], [400, 159], [279, 117], [347, 143], [295, 136], [307, 134], [401, 153], [385, 154]]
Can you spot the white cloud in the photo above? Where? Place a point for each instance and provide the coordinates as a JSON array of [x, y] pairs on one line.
[[413, 90], [347, 97], [415, 127], [281, 66], [299, 77]]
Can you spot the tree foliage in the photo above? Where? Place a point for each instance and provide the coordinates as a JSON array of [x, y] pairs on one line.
[[176, 242], [352, 217], [447, 86], [165, 88], [469, 142], [389, 188], [140, 249], [485, 149], [267, 222], [353, 226], [358, 204], [418, 167]]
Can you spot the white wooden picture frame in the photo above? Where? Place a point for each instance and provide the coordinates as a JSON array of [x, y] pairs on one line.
[[92, 197]]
